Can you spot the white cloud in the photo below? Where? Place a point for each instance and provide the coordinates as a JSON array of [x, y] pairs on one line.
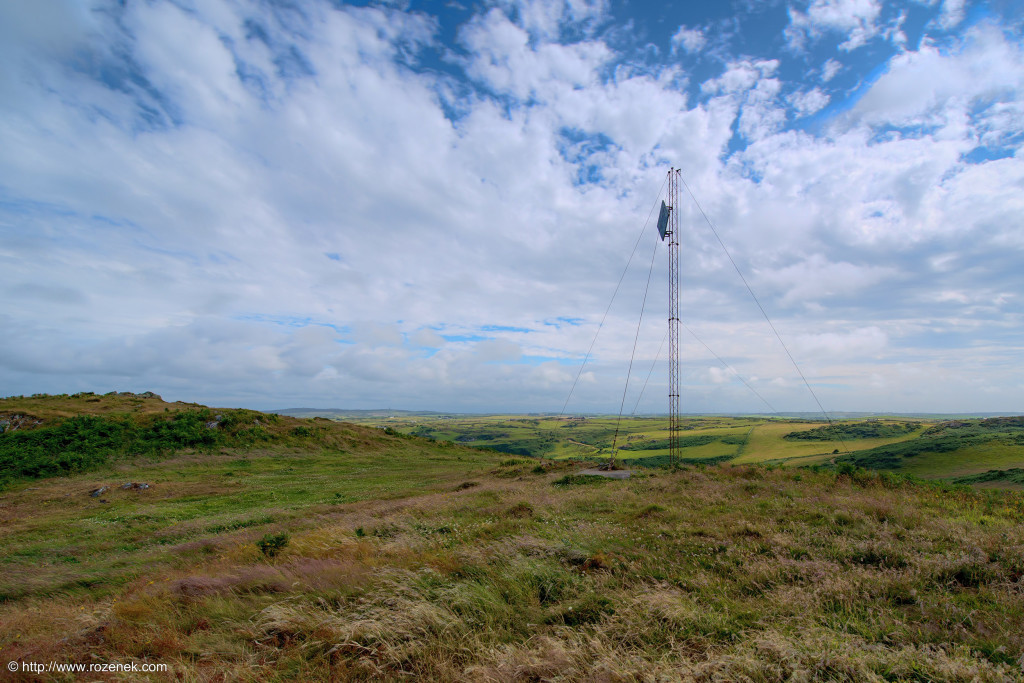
[[922, 87], [200, 80], [505, 61], [691, 40], [551, 375], [815, 278], [829, 70], [545, 18], [808, 102], [428, 338], [751, 85], [855, 19], [494, 350], [761, 114], [741, 76], [893, 192], [864, 341], [952, 13], [717, 375]]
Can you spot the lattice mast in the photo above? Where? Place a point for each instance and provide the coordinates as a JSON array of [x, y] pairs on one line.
[[668, 226], [673, 316]]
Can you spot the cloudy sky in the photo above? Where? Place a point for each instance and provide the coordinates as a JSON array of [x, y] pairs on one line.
[[428, 205]]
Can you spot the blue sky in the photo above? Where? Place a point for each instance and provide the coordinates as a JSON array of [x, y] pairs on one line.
[[427, 205]]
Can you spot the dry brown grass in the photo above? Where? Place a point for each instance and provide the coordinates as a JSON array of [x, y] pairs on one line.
[[732, 574]]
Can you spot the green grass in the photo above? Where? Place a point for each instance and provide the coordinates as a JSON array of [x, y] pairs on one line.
[[113, 537], [396, 557], [736, 572], [195, 495]]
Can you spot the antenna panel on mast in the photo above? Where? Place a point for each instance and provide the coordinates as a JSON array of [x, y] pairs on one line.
[[663, 221]]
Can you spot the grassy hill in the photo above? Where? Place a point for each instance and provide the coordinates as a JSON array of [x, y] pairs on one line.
[[953, 449], [45, 436], [350, 553]]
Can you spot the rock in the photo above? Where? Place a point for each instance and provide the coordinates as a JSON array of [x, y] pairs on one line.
[[96, 493], [144, 394], [213, 425], [12, 422], [135, 486]]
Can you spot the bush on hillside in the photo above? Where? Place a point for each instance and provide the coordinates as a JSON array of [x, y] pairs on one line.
[[271, 544], [83, 443], [857, 430]]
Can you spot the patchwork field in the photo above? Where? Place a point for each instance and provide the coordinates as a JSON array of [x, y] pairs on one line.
[[643, 441]]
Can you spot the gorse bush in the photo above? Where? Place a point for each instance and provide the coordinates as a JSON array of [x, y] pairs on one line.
[[271, 544], [1014, 475], [856, 430], [84, 443]]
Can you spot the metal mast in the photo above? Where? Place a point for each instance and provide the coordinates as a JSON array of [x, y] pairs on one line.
[[672, 232]]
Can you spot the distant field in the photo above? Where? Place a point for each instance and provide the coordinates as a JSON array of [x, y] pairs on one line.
[[741, 440], [745, 439], [768, 445], [590, 437]]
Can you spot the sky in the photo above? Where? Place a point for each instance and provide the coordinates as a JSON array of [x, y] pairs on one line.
[[429, 205]]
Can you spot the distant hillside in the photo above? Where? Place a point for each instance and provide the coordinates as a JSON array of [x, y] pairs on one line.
[[841, 415], [341, 414], [953, 449]]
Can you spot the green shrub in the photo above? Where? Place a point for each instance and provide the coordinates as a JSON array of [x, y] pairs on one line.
[[84, 443], [271, 544], [856, 430]]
